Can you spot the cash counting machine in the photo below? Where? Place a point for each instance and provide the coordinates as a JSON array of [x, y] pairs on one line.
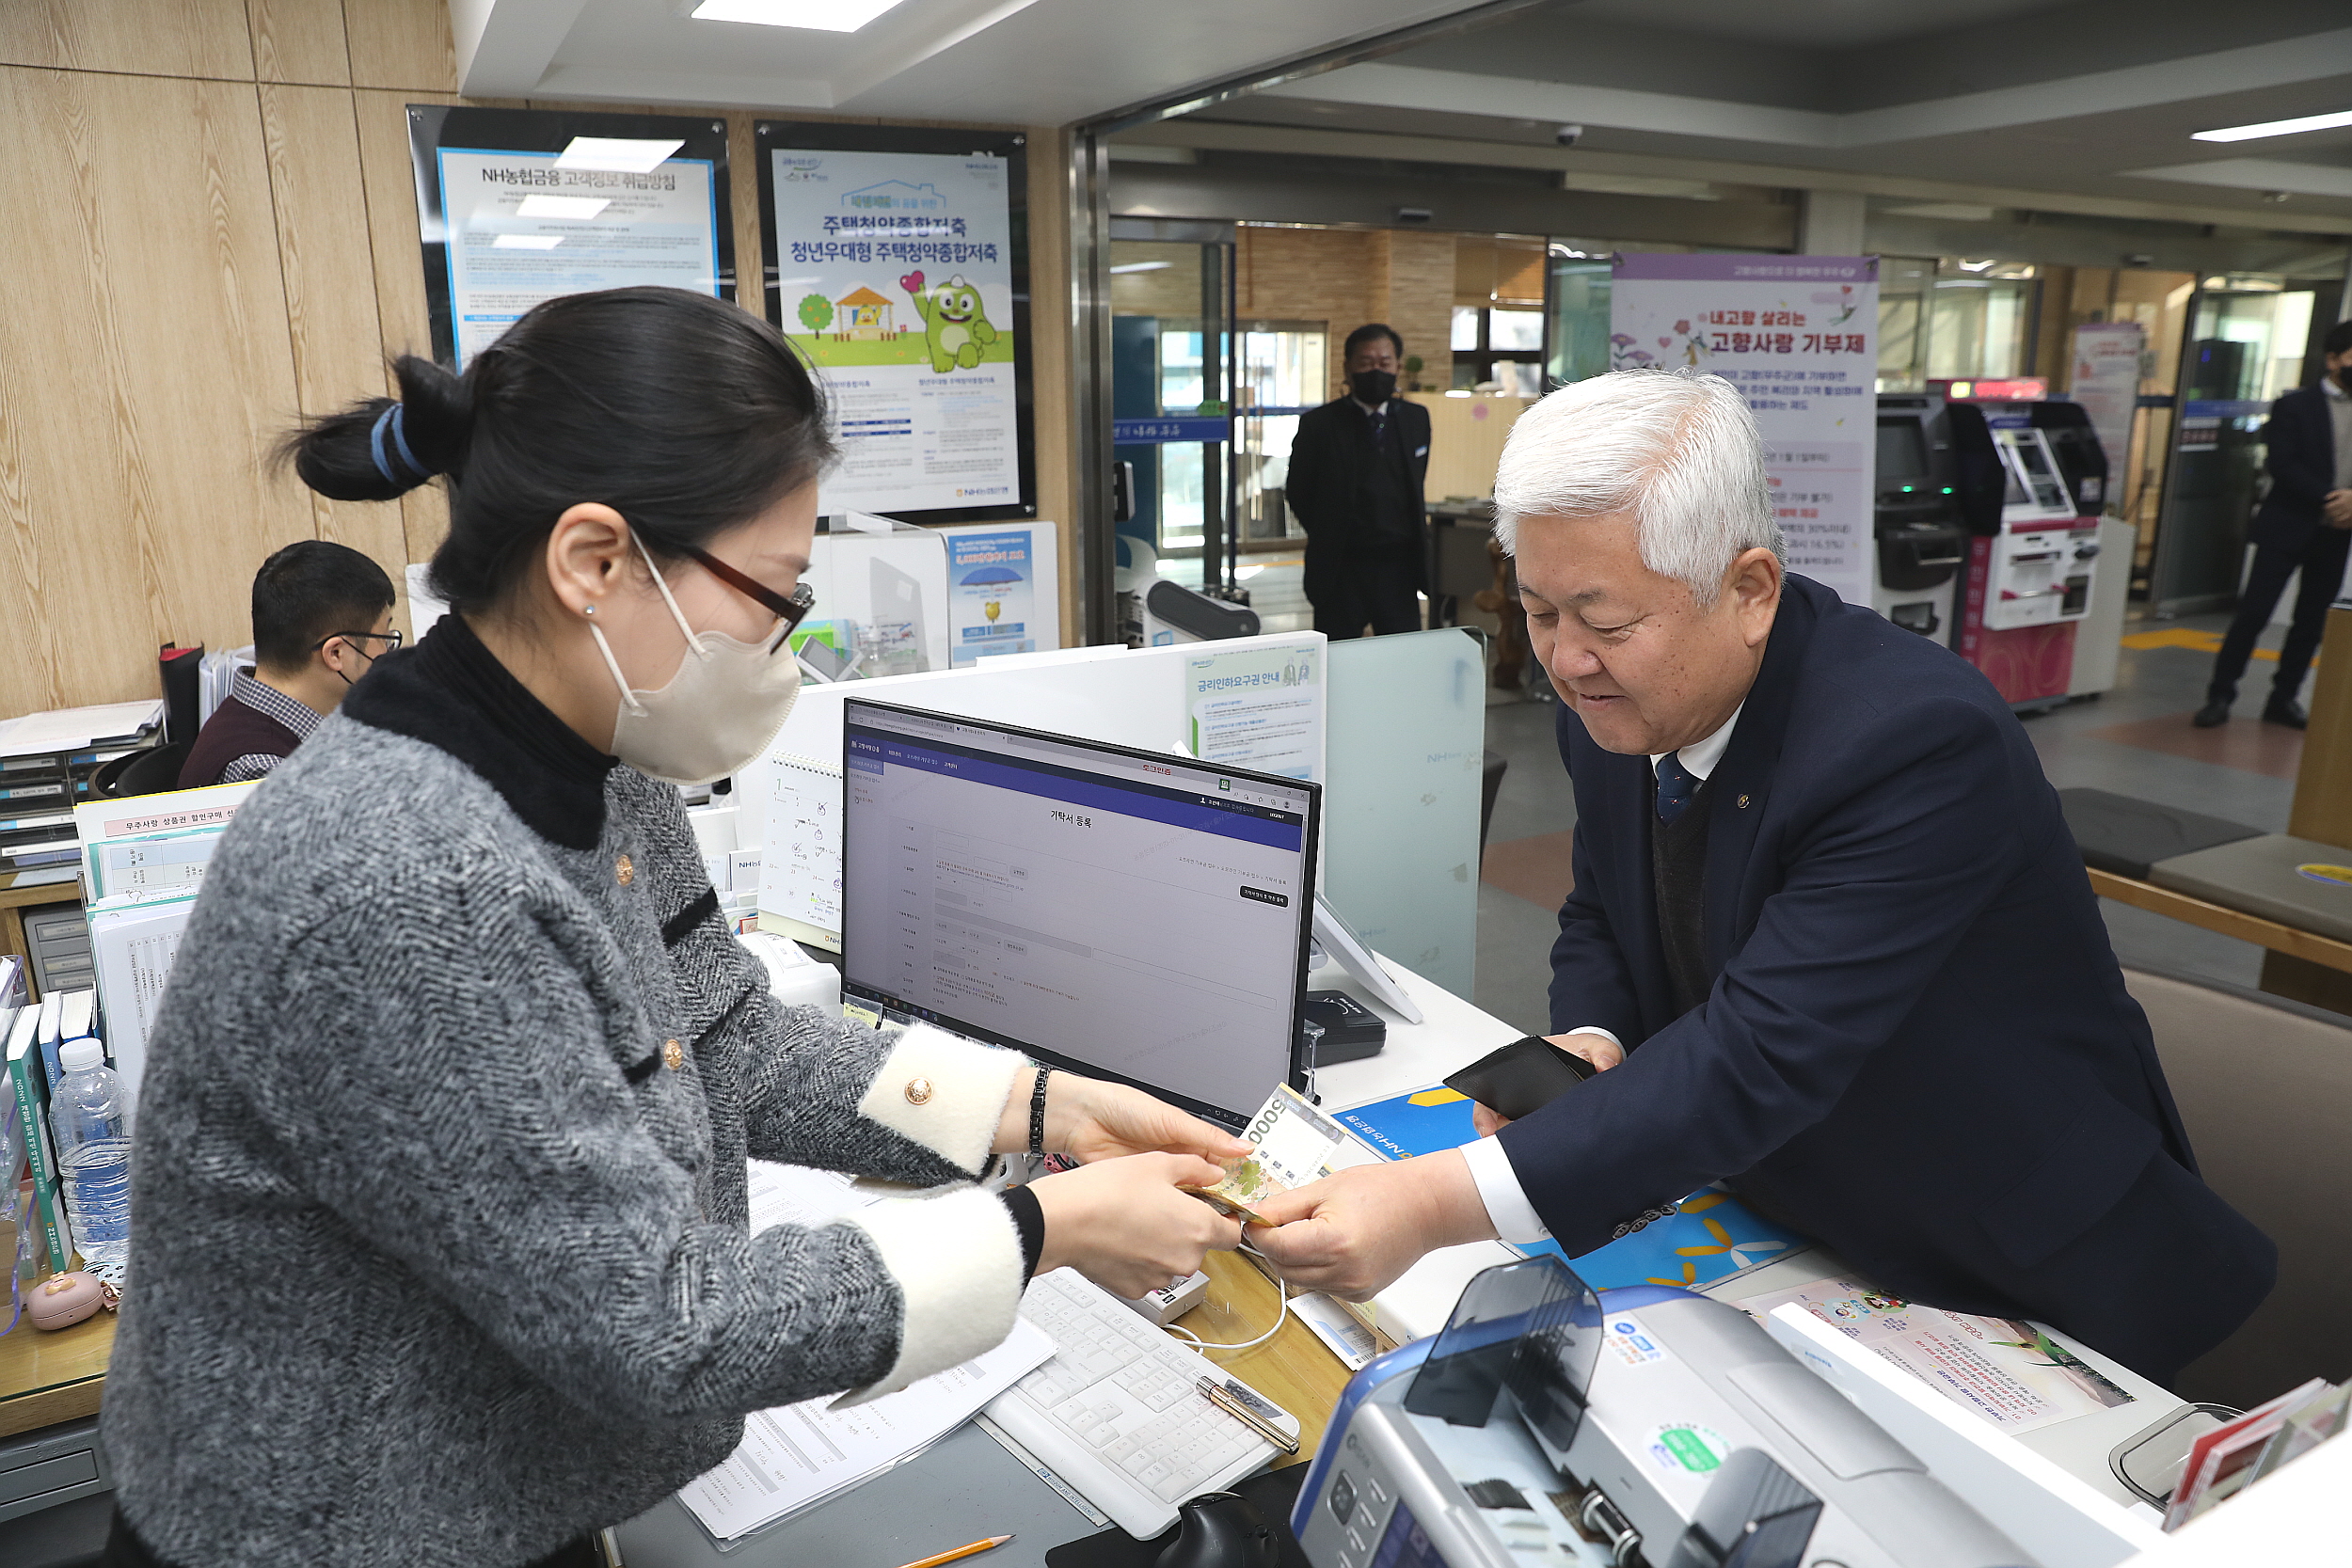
[[1552, 1424]]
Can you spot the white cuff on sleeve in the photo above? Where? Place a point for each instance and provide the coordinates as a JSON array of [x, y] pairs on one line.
[[957, 1261], [1513, 1216], [946, 1094], [1596, 1029]]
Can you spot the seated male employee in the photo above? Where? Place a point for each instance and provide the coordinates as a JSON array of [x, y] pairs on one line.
[[1829, 932], [321, 612]]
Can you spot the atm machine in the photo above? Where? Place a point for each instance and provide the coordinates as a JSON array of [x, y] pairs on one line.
[[1931, 483], [2031, 574]]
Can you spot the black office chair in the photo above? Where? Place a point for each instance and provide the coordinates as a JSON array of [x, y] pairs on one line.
[[147, 772]]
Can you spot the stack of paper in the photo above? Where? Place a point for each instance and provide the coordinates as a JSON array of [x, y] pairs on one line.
[[46, 761], [799, 1455]]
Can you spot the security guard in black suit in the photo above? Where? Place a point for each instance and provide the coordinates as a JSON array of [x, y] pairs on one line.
[[2305, 524], [1355, 475]]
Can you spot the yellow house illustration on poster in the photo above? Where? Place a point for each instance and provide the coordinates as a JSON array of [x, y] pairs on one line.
[[863, 315]]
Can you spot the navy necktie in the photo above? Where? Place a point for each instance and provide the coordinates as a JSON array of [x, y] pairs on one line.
[[1675, 785], [1379, 425]]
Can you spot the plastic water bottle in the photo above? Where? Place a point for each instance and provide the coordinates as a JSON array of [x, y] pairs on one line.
[[90, 1114]]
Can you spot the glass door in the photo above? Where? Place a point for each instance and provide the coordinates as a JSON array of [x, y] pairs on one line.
[[2248, 342], [1172, 379]]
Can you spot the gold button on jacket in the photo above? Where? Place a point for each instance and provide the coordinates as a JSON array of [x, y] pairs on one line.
[[918, 1091], [673, 1055], [624, 871]]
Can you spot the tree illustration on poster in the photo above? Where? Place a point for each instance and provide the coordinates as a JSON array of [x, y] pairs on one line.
[[896, 264]]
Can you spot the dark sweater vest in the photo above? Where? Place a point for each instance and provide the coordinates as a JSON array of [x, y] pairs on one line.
[[1678, 878], [1396, 509], [233, 731]]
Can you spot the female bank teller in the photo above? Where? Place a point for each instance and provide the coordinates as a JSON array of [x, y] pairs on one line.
[[439, 1250]]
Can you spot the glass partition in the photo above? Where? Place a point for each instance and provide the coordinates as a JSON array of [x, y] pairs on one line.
[[1406, 743]]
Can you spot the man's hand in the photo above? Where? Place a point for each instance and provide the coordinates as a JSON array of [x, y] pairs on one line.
[[1596, 1049], [2338, 507], [1094, 1121], [1354, 1232]]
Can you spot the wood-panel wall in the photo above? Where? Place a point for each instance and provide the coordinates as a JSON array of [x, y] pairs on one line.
[[215, 234]]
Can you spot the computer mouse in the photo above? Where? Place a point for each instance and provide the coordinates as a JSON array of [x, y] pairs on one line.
[[1222, 1530]]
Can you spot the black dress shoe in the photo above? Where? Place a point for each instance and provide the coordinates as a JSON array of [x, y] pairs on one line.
[[2287, 711], [2213, 713]]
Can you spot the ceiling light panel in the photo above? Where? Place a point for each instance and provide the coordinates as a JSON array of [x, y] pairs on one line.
[[824, 16], [2276, 127]]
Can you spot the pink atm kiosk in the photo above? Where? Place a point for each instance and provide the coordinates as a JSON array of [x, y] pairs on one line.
[[2028, 583]]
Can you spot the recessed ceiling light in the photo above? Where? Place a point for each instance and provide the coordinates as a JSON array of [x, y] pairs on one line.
[[527, 241], [620, 154], [563, 206], [824, 16], [2276, 127], [1145, 266]]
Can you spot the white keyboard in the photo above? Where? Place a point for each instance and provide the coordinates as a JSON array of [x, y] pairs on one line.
[[1118, 1412]]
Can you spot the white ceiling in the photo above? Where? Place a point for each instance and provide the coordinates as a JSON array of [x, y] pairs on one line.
[[1021, 62]]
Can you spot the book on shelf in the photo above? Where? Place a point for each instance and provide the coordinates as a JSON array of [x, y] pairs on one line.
[[28, 1103]]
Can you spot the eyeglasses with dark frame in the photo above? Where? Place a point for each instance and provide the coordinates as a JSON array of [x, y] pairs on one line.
[[395, 638], [789, 610]]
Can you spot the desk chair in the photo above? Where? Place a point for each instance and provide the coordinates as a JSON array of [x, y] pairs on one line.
[[2265, 1088], [149, 772]]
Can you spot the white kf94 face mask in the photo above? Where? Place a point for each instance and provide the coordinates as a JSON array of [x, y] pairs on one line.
[[727, 701]]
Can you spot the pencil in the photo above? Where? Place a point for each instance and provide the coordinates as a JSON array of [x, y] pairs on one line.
[[989, 1544]]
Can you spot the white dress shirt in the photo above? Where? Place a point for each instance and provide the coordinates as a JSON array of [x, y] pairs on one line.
[[1515, 1218]]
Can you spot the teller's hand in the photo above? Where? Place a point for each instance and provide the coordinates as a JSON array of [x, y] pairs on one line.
[[1596, 1049], [1127, 1224], [1092, 1120]]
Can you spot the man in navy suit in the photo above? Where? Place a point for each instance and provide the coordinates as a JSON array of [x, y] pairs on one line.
[[1829, 934], [2305, 523]]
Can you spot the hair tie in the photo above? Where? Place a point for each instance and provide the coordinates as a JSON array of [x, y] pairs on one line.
[[394, 418]]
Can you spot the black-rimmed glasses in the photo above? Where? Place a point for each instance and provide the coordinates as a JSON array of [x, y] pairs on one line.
[[392, 639], [789, 610]]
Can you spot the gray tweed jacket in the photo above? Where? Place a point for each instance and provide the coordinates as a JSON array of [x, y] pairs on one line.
[[440, 1251]]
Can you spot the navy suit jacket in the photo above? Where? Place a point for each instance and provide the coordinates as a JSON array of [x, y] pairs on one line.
[[2300, 444], [1917, 1046]]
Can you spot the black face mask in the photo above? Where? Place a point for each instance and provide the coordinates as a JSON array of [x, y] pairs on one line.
[[2343, 376], [1372, 388]]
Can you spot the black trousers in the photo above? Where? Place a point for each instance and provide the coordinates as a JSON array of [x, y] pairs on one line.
[[1374, 587], [2321, 560], [124, 1549]]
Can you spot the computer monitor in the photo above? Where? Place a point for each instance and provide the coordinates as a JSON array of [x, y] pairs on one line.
[[1120, 913]]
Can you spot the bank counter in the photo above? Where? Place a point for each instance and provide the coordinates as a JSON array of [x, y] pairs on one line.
[[2056, 1479]]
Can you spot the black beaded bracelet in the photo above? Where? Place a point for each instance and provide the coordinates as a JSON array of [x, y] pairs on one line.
[[1037, 1113]]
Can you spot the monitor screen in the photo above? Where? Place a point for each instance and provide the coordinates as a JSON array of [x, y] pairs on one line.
[[1903, 451], [1120, 913]]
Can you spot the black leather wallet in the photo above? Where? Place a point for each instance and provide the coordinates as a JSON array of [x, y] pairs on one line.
[[1521, 1078]]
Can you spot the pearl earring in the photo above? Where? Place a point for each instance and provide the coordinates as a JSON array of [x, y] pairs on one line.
[[587, 609]]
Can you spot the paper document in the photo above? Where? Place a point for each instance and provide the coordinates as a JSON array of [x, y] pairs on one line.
[[799, 1455], [2008, 1370], [800, 866], [799, 1195], [75, 729], [1259, 708]]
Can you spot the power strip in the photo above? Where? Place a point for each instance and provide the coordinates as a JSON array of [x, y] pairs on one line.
[[1162, 1307]]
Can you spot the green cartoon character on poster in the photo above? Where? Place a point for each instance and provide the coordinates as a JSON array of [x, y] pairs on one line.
[[955, 326]]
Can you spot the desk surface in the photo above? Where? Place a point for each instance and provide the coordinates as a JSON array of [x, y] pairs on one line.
[[51, 1377]]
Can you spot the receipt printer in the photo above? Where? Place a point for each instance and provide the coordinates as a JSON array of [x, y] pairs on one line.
[[1552, 1424]]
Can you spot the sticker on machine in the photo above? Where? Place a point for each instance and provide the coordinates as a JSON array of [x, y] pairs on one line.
[[1680, 1448], [1631, 1343]]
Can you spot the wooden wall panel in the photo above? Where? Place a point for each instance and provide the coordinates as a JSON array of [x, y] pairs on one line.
[[404, 324], [152, 37], [144, 373], [1415, 295], [331, 325], [401, 43], [299, 40]]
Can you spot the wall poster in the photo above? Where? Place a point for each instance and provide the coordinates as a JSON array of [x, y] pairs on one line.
[[1798, 335], [517, 206], [898, 265]]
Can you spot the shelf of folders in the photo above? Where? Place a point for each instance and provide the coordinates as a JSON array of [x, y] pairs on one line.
[[143, 862]]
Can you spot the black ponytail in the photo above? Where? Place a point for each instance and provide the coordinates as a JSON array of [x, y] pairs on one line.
[[682, 413]]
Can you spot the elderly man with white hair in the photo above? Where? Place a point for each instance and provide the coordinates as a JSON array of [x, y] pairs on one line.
[[1829, 937]]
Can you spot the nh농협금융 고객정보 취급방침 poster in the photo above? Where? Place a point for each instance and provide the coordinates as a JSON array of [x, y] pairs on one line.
[[895, 279]]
